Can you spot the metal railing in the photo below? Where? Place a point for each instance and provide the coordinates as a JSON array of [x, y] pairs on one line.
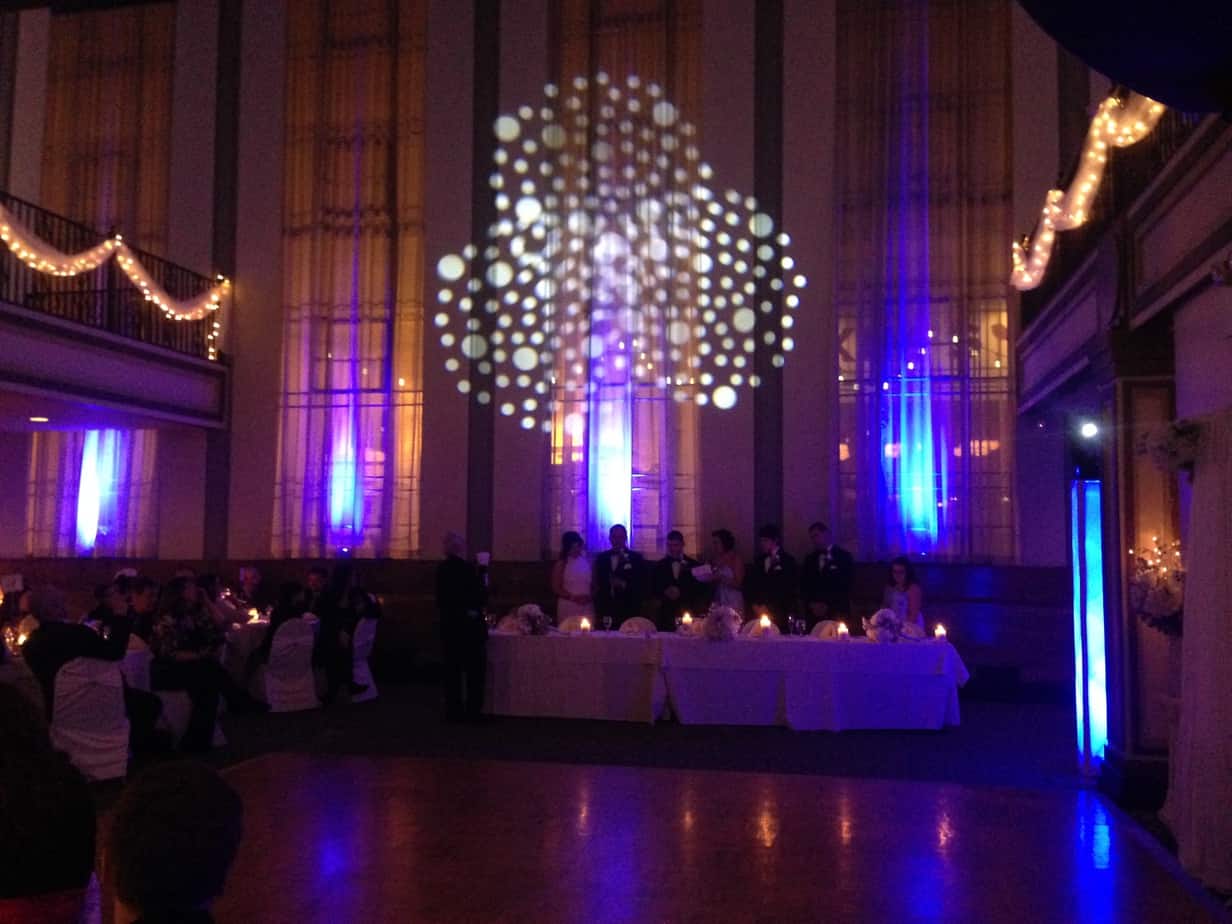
[[1129, 171], [103, 299]]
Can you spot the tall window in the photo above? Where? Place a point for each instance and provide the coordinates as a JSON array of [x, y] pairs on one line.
[[92, 492], [351, 410], [622, 449], [924, 181], [106, 163]]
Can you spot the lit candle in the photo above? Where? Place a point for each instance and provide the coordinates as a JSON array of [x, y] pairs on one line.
[[585, 624], [686, 619], [939, 632], [765, 621], [843, 631]]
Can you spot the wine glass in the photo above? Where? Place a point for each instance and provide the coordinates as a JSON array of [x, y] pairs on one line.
[[607, 623]]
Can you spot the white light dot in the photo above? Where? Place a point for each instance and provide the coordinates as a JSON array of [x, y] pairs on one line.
[[525, 358], [507, 128], [450, 267], [725, 397], [744, 320]]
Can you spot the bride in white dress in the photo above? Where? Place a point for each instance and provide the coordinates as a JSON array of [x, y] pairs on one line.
[[571, 579]]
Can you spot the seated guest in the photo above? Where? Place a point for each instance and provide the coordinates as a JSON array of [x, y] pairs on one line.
[[143, 604], [903, 592], [112, 603], [290, 605], [774, 580], [620, 580], [726, 574], [460, 598], [572, 578], [171, 842], [185, 644], [47, 822], [825, 580], [58, 640], [314, 588], [252, 592], [672, 583], [332, 649]]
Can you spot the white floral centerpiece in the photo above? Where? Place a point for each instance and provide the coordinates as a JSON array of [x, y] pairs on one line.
[[722, 624], [1173, 446], [883, 626], [527, 619], [1157, 586]]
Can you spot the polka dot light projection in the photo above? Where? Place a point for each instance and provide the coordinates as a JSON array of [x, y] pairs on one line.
[[613, 259]]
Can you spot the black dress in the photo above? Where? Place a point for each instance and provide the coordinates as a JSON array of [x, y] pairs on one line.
[[460, 598]]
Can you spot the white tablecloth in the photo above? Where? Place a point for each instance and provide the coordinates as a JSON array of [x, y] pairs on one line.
[[599, 675], [810, 684], [805, 684]]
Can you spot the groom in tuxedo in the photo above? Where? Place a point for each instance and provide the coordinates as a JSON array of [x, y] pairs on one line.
[[620, 579], [672, 584], [825, 582], [773, 578]]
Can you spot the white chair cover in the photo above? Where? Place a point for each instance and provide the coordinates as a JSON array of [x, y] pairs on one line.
[[289, 682], [136, 664], [88, 720], [361, 647], [638, 625]]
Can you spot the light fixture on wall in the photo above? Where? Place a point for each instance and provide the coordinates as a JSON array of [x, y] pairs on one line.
[[40, 420], [1088, 429]]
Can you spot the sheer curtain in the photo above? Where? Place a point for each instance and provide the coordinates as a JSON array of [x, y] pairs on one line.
[[1197, 809], [923, 189], [623, 450], [107, 136], [351, 412], [106, 163], [92, 492]]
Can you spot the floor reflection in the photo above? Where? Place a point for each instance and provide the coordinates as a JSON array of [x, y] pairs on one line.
[[443, 840]]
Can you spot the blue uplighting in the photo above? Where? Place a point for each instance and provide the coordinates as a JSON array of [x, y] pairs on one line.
[[346, 505], [1090, 661], [96, 487]]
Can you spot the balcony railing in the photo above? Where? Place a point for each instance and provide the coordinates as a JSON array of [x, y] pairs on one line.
[[1129, 172], [103, 299]]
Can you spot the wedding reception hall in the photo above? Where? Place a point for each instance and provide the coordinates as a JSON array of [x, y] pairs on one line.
[[615, 460]]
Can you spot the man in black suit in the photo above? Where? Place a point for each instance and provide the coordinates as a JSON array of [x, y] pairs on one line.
[[825, 581], [460, 597], [773, 580], [620, 579], [672, 583]]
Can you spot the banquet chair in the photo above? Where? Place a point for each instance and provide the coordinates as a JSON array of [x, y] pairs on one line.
[[361, 648], [88, 721], [637, 625], [290, 684]]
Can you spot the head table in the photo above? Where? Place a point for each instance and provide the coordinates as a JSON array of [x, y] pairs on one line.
[[803, 683]]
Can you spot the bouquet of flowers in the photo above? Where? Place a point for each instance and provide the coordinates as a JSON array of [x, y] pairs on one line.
[[1157, 586], [883, 626], [1173, 446], [722, 623]]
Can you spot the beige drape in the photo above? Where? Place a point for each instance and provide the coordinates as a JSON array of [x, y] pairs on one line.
[[659, 42], [106, 163], [128, 521], [353, 272], [923, 189], [107, 136]]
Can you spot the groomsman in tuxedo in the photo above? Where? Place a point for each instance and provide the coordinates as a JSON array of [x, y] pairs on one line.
[[461, 595], [774, 578], [825, 581], [620, 579], [672, 583]]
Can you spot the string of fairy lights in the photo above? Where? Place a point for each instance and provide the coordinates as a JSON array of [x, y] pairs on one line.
[[1119, 123], [42, 257]]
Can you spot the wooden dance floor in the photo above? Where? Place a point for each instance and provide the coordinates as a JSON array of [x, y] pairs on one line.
[[340, 839]]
